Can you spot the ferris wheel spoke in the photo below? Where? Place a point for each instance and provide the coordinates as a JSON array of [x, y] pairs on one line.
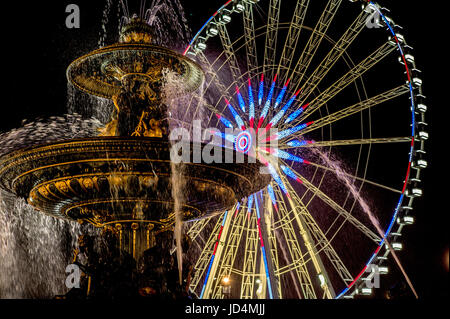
[[309, 242], [352, 75], [288, 216], [226, 266], [290, 44], [229, 51], [273, 245], [249, 33], [340, 210], [211, 77], [361, 179], [362, 141], [355, 108], [250, 258], [217, 253], [214, 109], [211, 73], [333, 56], [197, 228], [296, 262], [271, 37], [322, 243], [204, 260], [315, 39], [369, 141], [195, 110]]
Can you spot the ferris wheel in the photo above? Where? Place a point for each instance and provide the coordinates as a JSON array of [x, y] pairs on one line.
[[338, 83]]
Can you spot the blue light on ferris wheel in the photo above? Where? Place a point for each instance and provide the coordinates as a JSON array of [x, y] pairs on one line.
[[283, 111], [291, 131], [294, 115], [277, 117], [287, 156], [240, 99], [250, 203], [236, 116], [290, 173], [277, 178], [251, 103], [261, 90], [224, 120], [297, 143], [284, 155], [272, 196], [237, 209], [281, 95], [269, 99]]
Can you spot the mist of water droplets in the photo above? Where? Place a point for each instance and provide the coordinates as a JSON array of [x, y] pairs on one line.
[[33, 251]]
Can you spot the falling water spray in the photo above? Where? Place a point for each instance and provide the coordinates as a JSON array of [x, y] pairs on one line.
[[177, 189], [341, 175], [171, 85]]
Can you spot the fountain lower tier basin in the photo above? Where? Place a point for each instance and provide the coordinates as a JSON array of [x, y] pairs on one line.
[[104, 180]]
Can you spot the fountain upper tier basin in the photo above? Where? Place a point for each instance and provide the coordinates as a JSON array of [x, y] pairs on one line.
[[107, 179], [102, 71]]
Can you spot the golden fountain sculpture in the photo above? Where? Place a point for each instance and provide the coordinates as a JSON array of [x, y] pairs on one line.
[[121, 180], [131, 73]]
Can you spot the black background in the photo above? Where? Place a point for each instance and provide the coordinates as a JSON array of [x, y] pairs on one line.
[[38, 47]]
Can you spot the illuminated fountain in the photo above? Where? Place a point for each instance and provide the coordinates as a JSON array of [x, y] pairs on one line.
[[121, 180]]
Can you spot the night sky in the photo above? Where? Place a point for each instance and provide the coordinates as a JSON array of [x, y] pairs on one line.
[[39, 47]]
